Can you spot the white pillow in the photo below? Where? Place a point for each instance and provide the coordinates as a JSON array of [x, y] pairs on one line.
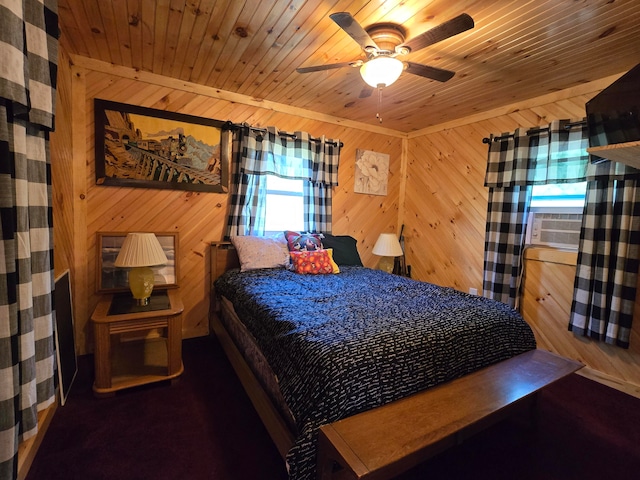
[[261, 252]]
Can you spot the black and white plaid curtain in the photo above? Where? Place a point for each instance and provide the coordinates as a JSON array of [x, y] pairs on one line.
[[28, 52], [607, 271], [257, 153], [516, 162], [509, 200]]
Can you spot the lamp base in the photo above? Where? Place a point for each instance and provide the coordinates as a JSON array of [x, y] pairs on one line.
[[141, 284], [386, 264], [142, 302]]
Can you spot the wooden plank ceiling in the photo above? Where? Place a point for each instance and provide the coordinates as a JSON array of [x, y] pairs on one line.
[[519, 49]]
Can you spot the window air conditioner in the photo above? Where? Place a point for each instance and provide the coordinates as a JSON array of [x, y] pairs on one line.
[[560, 230]]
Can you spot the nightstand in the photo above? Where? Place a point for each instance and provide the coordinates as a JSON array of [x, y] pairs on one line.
[[136, 345]]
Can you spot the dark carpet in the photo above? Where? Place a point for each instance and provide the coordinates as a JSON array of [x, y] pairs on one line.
[[204, 427]]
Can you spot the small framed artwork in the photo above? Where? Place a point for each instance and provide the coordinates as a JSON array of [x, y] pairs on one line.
[[150, 148], [372, 172], [113, 279]]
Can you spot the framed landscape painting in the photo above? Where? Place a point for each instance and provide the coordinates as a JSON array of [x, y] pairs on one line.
[[112, 279], [150, 148]]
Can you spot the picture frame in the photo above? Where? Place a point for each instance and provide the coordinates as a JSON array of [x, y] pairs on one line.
[[65, 339], [111, 279], [371, 172], [150, 148]]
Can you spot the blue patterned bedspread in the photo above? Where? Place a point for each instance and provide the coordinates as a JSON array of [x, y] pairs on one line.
[[340, 344]]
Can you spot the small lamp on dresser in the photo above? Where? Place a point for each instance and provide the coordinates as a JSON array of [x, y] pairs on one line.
[[387, 247], [139, 252]]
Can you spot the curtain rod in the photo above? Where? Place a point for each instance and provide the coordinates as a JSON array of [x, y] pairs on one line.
[[280, 133], [531, 131]]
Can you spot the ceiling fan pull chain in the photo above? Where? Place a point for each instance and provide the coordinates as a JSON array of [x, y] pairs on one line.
[[378, 116]]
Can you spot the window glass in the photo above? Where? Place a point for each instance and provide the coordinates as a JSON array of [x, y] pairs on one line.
[[284, 184], [284, 205], [559, 195]]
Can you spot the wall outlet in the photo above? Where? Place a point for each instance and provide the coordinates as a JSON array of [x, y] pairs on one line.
[[473, 291]]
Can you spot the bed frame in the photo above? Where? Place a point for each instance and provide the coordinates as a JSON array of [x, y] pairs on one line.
[[223, 258], [388, 440]]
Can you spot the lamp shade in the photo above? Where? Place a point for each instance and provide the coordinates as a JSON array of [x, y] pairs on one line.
[[381, 71], [141, 250], [387, 246]]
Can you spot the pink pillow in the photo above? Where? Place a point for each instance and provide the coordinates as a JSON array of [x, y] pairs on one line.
[[260, 252]]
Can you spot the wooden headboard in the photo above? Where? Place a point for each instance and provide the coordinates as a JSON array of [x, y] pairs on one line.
[[223, 257]]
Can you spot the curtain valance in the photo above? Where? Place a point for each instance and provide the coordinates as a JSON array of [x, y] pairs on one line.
[[29, 53], [553, 154], [295, 156]]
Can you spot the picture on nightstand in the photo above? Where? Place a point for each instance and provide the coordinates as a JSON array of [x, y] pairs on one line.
[[111, 279]]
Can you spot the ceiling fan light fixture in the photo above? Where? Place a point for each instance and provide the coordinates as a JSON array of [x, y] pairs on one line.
[[381, 71]]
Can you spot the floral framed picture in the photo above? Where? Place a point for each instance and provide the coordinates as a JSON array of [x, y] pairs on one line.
[[150, 148], [111, 279], [372, 172]]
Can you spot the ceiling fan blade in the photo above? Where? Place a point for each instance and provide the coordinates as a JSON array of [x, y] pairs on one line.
[[429, 72], [354, 30], [443, 31], [329, 66]]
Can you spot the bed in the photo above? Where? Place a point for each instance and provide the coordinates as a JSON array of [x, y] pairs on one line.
[[313, 349]]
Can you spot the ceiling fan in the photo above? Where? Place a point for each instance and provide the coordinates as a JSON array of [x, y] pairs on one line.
[[384, 42]]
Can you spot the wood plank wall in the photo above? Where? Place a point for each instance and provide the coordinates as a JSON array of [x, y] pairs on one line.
[[61, 189], [546, 304], [435, 189], [199, 218], [444, 214]]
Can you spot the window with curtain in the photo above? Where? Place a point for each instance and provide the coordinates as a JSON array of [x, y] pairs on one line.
[[561, 189], [516, 163], [260, 154], [606, 273]]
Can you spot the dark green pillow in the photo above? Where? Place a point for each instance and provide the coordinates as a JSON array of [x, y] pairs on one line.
[[344, 249]]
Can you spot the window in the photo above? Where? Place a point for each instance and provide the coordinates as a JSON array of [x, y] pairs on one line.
[[559, 195], [559, 163], [284, 205], [556, 214]]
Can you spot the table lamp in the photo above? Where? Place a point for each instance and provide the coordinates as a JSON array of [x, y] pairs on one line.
[[387, 246], [140, 251]]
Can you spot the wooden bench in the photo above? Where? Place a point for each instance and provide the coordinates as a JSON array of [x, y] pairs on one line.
[[389, 440]]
